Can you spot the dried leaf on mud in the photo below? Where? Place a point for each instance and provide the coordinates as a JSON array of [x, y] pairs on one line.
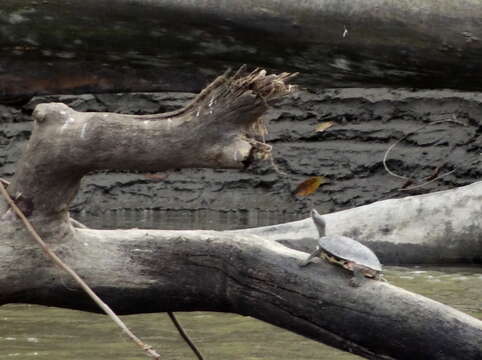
[[323, 126], [310, 185]]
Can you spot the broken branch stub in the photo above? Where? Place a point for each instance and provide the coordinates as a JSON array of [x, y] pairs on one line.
[[214, 131]]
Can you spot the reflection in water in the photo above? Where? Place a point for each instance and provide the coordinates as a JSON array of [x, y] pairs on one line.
[[186, 220], [37, 332]]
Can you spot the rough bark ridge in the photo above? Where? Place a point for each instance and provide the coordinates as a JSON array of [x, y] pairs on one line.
[[145, 270]]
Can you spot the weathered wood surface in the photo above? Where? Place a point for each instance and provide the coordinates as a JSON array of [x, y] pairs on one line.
[[147, 270], [178, 45], [439, 228], [157, 271]]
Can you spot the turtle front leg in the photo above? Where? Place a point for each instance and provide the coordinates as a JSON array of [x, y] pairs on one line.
[[314, 254], [380, 277]]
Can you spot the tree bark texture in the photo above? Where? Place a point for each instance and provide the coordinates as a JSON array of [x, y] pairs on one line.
[[176, 45], [149, 271]]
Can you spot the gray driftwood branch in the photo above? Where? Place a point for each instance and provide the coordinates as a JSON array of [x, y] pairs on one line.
[[246, 272], [438, 228]]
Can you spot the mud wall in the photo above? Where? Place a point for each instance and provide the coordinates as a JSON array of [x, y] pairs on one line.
[[349, 154]]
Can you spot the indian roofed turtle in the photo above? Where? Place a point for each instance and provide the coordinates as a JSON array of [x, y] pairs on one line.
[[345, 252]]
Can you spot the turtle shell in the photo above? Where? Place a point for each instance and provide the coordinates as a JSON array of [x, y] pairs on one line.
[[344, 248]]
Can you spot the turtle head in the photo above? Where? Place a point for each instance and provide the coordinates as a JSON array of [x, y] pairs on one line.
[[319, 222]]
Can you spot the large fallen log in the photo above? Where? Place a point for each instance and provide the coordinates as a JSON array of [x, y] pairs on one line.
[[176, 45], [152, 270], [438, 228], [138, 271]]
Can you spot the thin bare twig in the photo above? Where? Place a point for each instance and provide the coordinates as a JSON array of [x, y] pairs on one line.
[[147, 348], [276, 167], [430, 178], [428, 182], [185, 336]]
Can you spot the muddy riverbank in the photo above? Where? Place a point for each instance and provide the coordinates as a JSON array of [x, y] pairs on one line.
[[349, 154]]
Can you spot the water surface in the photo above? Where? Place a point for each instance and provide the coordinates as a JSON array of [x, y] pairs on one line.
[[28, 331]]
